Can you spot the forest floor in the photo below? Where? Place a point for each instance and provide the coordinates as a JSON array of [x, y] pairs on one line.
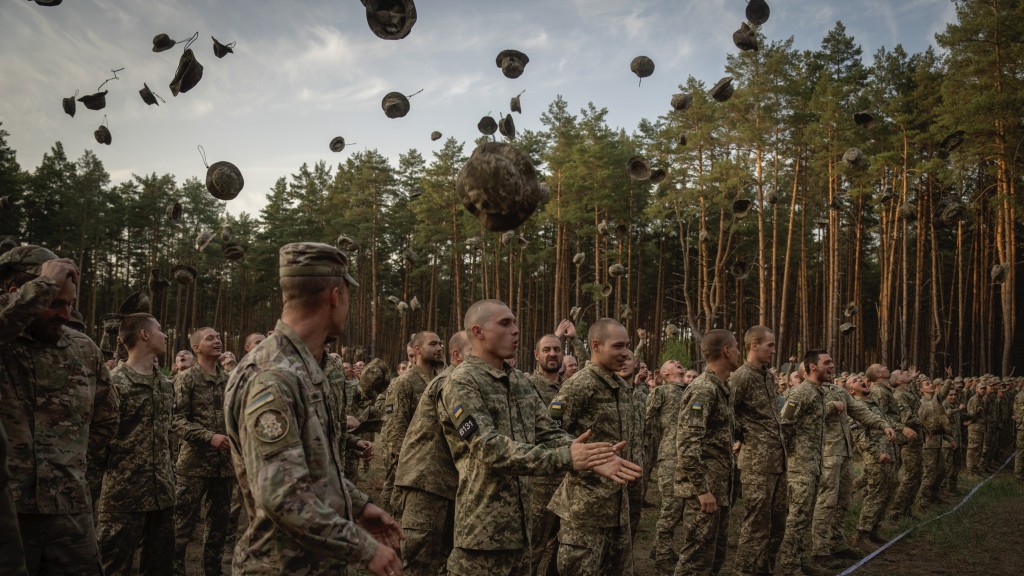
[[985, 536]]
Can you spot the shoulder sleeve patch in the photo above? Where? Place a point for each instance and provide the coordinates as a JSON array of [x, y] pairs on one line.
[[271, 425], [467, 428], [789, 410], [260, 400]]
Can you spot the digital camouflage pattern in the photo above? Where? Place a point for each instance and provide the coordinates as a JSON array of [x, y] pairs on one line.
[[976, 427], [593, 551], [283, 420], [871, 443], [910, 453], [661, 420], [936, 427], [762, 464], [12, 552], [544, 540], [953, 446], [499, 433], [637, 489], [402, 398], [198, 415], [17, 310]]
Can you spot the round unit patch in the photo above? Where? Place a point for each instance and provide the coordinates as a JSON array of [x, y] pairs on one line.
[[271, 425]]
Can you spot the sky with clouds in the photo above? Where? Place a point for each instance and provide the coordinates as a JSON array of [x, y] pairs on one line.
[[305, 71]]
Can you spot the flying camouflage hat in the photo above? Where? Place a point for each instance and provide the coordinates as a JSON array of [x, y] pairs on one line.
[[337, 144], [579, 259], [658, 175], [487, 126], [499, 186], [953, 141], [390, 19], [156, 281], [515, 104], [507, 127], [850, 309], [642, 66], [184, 274], [745, 38], [723, 90], [188, 74], [740, 207], [639, 168], [999, 272], [616, 270], [224, 180], [863, 118], [847, 328], [435, 136], [757, 11], [512, 63], [313, 259], [908, 211], [174, 211], [233, 251], [682, 101], [374, 379], [148, 96], [681, 139], [69, 104], [221, 50], [135, 302], [162, 42], [26, 259], [102, 135], [740, 270], [97, 101], [853, 157]]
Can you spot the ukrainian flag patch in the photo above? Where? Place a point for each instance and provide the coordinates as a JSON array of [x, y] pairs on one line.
[[556, 405], [259, 401], [457, 411], [697, 406]]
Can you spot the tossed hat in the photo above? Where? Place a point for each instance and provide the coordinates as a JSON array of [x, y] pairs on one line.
[[579, 259], [908, 211], [226, 233], [740, 270], [642, 66], [602, 227], [174, 211], [102, 135], [515, 105], [402, 307], [49, 2], [416, 192], [156, 281], [639, 168], [723, 90], [682, 101], [414, 303], [188, 74], [221, 50], [396, 104], [625, 313], [681, 139], [7, 243], [410, 255], [203, 240], [850, 309], [69, 104], [744, 38], [606, 290], [184, 274], [233, 251], [953, 213], [148, 96], [671, 329], [658, 175], [313, 259], [847, 328], [487, 126], [952, 141], [223, 179], [390, 19], [473, 241], [740, 207], [863, 118], [771, 196], [162, 42], [394, 299], [512, 63], [616, 270], [134, 303], [27, 259], [887, 195], [345, 244], [507, 127], [337, 144], [374, 378], [435, 136], [704, 236], [499, 186], [97, 101], [853, 157], [574, 314], [757, 12], [999, 272]]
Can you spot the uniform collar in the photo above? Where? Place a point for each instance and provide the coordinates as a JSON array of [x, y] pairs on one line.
[[479, 363], [312, 366], [610, 378], [137, 378]]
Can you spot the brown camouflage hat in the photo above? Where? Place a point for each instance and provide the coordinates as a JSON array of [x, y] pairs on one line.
[[499, 186], [188, 74], [723, 90], [642, 66], [740, 207], [220, 49], [135, 302], [148, 96], [174, 211], [313, 259], [487, 126], [395, 104], [27, 259], [658, 175], [512, 63], [162, 42], [69, 104], [639, 168], [224, 180], [847, 328], [863, 118], [740, 270], [515, 104], [96, 101], [507, 127], [757, 11], [999, 272], [102, 135], [435, 136], [184, 274], [156, 281], [744, 38], [682, 101], [390, 19], [373, 381], [337, 144]]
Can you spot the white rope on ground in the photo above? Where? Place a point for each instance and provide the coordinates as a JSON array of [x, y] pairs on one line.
[[900, 536]]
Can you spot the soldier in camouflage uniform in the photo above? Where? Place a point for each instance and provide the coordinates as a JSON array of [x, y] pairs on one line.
[[402, 398], [803, 418], [662, 418], [1018, 421], [952, 447], [284, 424], [204, 457], [878, 454], [762, 457], [976, 427], [571, 343], [835, 489], [547, 380], [910, 453], [499, 434], [593, 533], [350, 396], [936, 427], [426, 478], [136, 508], [570, 366], [635, 374], [705, 432], [58, 411]]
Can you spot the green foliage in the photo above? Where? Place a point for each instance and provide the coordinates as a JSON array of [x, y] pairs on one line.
[[676, 350]]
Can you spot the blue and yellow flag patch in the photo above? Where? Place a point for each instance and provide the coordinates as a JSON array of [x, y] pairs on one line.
[[556, 405], [260, 400], [457, 411], [697, 406]]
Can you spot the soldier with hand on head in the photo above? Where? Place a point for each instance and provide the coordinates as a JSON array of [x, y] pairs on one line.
[[59, 413], [285, 425], [135, 512], [909, 406]]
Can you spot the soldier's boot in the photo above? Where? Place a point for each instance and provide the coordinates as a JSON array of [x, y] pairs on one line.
[[848, 554], [863, 541], [875, 538], [814, 569]]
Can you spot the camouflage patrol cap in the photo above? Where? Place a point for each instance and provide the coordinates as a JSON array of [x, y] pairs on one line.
[[314, 259], [26, 259], [373, 381]]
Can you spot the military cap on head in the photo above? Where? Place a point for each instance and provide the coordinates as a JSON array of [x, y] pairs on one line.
[[26, 259], [314, 259]]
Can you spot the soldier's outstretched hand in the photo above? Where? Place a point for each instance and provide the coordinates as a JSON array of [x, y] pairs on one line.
[[383, 527], [385, 562], [619, 469], [586, 456]]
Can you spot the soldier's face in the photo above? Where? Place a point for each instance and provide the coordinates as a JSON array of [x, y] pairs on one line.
[[499, 335], [571, 366], [358, 368], [549, 354], [209, 344], [48, 324], [765, 351], [613, 353], [184, 360], [432, 350], [825, 369], [156, 339], [689, 376]]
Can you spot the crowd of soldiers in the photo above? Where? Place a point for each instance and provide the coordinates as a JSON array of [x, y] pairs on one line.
[[107, 466]]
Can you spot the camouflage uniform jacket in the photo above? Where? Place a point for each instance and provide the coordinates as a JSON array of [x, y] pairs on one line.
[[757, 420], [402, 398], [976, 410], [499, 433], [425, 461], [641, 455], [547, 390], [600, 401], [934, 421], [140, 475], [662, 418], [956, 421], [803, 426], [284, 426], [1018, 413], [838, 441], [58, 408], [883, 395], [909, 405], [705, 432], [870, 443], [198, 415]]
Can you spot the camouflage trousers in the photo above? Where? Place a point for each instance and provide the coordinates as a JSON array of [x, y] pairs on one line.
[[428, 521], [59, 544], [1018, 460], [468, 562], [12, 553], [881, 479], [121, 534], [669, 517], [387, 491], [705, 540], [975, 447], [765, 505], [590, 551], [835, 491], [931, 476], [803, 492], [951, 464], [635, 491], [189, 493], [910, 479], [544, 539]]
